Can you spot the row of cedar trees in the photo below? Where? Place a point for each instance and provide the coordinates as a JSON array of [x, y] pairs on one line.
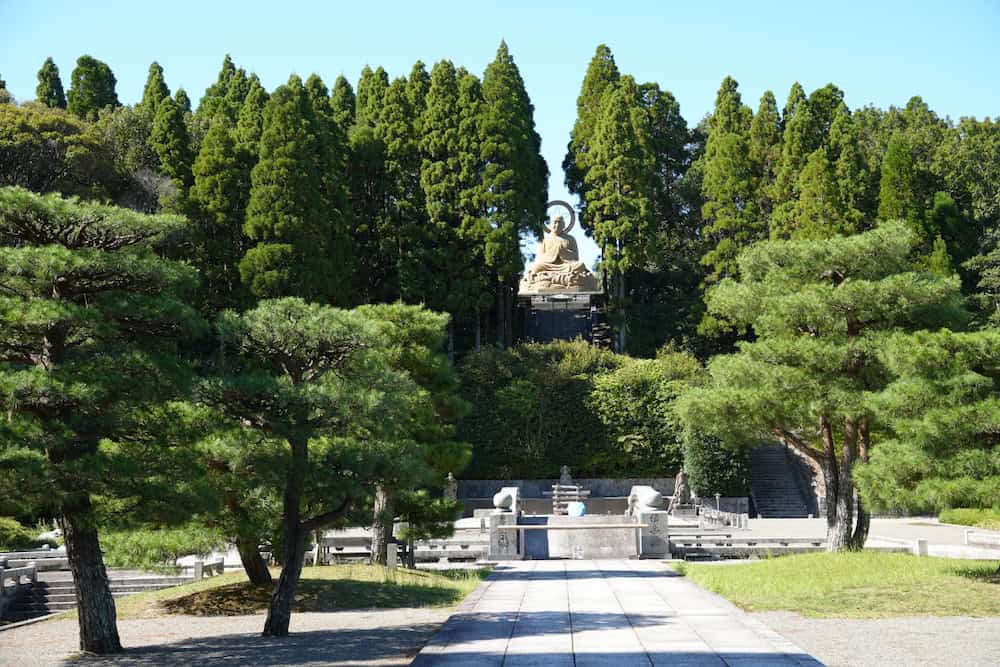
[[417, 189], [424, 186], [671, 207]]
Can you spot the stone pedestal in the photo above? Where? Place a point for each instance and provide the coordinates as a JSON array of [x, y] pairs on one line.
[[654, 542], [503, 543]]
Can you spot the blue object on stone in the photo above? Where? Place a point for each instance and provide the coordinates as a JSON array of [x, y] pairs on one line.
[[576, 508]]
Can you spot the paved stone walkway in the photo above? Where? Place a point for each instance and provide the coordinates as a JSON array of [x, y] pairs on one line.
[[610, 612]]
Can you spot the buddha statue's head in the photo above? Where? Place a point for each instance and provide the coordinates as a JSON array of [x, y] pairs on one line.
[[557, 224]]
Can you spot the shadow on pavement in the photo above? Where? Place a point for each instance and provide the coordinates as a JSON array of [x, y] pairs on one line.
[[318, 647]]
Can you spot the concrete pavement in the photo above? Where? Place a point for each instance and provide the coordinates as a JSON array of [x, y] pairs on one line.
[[609, 612]]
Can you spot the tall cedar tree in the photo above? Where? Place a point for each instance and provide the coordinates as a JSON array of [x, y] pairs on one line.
[[343, 103], [823, 312], [731, 220], [155, 91], [92, 87], [765, 151], [514, 182], [371, 91], [182, 101], [449, 278], [602, 75], [619, 211], [250, 121], [83, 364], [215, 94], [172, 143], [295, 204], [50, 89], [219, 197]]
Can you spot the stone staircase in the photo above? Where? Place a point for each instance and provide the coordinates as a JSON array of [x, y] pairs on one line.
[[777, 483], [55, 594]]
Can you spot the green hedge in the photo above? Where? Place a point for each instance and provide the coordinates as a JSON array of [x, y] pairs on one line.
[[538, 407], [980, 518], [15, 537]]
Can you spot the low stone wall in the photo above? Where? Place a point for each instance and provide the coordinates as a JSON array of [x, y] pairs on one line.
[[536, 488]]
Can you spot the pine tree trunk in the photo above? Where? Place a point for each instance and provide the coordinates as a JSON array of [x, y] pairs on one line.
[[864, 517], [479, 325], [253, 562], [279, 613], [381, 524], [95, 606]]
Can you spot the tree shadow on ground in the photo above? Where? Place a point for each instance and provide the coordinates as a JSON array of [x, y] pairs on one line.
[[320, 647], [312, 595]]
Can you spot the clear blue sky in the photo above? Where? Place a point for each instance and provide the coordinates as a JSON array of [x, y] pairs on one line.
[[877, 52]]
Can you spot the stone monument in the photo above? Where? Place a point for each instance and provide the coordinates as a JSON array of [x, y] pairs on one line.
[[451, 488], [558, 297], [557, 266]]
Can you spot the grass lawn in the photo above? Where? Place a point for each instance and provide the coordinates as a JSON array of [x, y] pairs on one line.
[[325, 588], [856, 585]]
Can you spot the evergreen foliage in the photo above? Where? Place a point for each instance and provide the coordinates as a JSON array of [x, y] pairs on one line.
[[87, 369], [155, 90], [92, 87], [50, 89], [822, 312], [171, 142]]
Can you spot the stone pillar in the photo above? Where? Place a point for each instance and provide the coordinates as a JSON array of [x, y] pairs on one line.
[[504, 543], [654, 542]]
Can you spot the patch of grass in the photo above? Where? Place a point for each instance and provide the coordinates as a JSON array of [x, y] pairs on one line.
[[978, 518], [857, 585], [327, 588]]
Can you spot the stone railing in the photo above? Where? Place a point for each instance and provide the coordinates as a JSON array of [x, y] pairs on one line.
[[10, 593], [713, 518], [977, 538]]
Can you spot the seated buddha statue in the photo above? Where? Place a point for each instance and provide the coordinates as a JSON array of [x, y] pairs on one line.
[[557, 266]]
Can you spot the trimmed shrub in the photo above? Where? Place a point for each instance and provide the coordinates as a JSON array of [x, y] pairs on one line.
[[714, 468]]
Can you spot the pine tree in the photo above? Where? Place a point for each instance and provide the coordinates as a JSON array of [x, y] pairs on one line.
[[86, 368], [219, 195], [602, 75], [514, 180], [172, 144], [92, 87], [50, 89], [155, 91], [343, 103], [731, 221]]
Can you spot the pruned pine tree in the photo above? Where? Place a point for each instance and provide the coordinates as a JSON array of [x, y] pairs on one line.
[[823, 312], [90, 322], [313, 378]]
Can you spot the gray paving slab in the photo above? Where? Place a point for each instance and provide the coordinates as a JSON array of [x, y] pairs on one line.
[[608, 612]]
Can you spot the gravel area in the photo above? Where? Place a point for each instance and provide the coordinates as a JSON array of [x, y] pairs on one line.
[[369, 637], [919, 640]]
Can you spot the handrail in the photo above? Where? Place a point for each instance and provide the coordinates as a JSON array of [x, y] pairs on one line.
[[15, 573], [572, 526]]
